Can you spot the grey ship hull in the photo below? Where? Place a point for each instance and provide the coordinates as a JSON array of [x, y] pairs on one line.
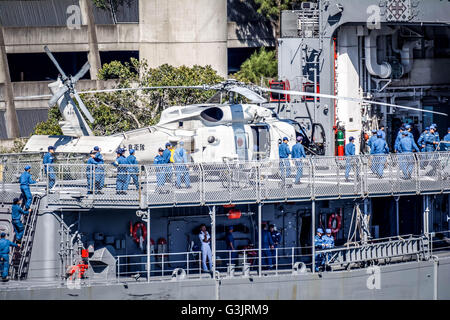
[[407, 280]]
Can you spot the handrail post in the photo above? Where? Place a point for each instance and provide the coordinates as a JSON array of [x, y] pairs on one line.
[[118, 269], [313, 227], [187, 263], [259, 239], [276, 261], [148, 245]]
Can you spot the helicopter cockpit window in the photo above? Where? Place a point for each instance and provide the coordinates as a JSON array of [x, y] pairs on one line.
[[212, 114]]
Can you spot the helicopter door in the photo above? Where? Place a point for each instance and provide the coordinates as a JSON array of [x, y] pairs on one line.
[[241, 139], [261, 142]]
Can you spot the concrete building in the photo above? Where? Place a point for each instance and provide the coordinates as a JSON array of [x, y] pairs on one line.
[[220, 33]]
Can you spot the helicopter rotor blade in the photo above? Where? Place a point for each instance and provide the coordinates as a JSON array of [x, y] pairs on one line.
[[50, 55], [321, 95], [82, 72], [83, 107], [249, 94], [202, 87], [57, 95]]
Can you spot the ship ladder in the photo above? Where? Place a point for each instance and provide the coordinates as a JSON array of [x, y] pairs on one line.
[[21, 256]]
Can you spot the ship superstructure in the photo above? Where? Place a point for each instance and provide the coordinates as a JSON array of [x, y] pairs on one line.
[[391, 230]]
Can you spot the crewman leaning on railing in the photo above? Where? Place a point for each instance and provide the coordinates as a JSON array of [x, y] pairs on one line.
[[48, 161]]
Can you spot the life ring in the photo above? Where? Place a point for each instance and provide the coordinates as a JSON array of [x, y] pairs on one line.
[[335, 220], [136, 227]]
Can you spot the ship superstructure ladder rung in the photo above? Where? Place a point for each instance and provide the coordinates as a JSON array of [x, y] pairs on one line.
[[21, 256]]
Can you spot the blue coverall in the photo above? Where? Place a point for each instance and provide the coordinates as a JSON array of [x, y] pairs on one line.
[[319, 245], [168, 168], [371, 141], [421, 141], [4, 256], [160, 173], [91, 164], [122, 173], [229, 239], [49, 169], [266, 243], [400, 136], [99, 171], [349, 151], [276, 239], [25, 181], [446, 146], [133, 171], [284, 152], [298, 151], [430, 139], [406, 159], [16, 213], [383, 135], [180, 157], [328, 243], [379, 147]]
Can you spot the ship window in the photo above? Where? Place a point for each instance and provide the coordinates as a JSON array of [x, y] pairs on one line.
[[212, 114]]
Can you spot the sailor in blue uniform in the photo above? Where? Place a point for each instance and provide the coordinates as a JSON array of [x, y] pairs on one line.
[[328, 241], [349, 161], [122, 172], [16, 214], [379, 148], [160, 172], [266, 245], [25, 181], [276, 239], [4, 255], [49, 170], [298, 152], [180, 158], [99, 170], [421, 140], [168, 168], [383, 133], [90, 169], [406, 159], [229, 239], [436, 135], [446, 145], [133, 170], [318, 245], [372, 139], [431, 146], [406, 128], [284, 152]]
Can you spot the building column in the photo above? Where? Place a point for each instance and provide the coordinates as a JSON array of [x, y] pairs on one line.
[[87, 11], [11, 122]]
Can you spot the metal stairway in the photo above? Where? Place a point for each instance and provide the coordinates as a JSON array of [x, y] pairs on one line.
[[21, 256]]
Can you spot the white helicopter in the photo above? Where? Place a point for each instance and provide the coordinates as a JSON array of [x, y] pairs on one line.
[[211, 132]]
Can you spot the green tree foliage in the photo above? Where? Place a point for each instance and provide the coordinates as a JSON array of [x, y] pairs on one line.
[[112, 6], [127, 110], [51, 126], [271, 8], [262, 63]]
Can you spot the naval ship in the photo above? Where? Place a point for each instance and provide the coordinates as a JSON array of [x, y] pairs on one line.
[[391, 231]]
